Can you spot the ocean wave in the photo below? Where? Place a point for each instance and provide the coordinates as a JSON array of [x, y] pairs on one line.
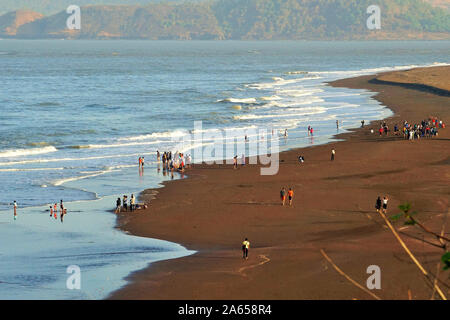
[[238, 100], [91, 175], [298, 92], [11, 163], [278, 82], [38, 144], [26, 152], [381, 69], [31, 169], [165, 134], [291, 104], [303, 112], [296, 72], [270, 98]]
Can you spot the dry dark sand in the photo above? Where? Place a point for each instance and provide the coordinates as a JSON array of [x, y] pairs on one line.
[[216, 207]]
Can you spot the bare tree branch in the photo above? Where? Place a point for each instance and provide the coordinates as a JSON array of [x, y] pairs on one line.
[[347, 277]]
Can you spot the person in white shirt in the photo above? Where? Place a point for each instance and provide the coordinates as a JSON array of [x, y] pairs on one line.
[[385, 201]]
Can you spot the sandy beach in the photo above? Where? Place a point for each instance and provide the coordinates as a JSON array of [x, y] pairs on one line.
[[333, 209]]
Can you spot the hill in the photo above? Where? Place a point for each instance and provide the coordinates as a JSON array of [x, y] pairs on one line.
[[10, 22], [248, 19]]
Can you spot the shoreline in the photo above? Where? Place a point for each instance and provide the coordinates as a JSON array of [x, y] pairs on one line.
[[289, 245]]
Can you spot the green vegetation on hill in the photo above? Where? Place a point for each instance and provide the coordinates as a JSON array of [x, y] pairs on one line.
[[250, 19]]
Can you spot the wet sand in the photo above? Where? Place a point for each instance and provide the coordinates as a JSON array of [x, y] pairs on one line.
[[217, 207]]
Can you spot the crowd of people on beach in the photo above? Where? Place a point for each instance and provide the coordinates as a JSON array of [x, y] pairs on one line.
[[176, 162], [54, 211], [427, 128], [125, 205]]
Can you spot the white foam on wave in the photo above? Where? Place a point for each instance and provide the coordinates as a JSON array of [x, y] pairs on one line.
[[381, 69], [117, 145], [238, 100], [300, 112], [26, 152], [278, 82], [90, 175], [31, 169], [290, 104], [165, 134], [11, 163], [301, 92], [271, 98]]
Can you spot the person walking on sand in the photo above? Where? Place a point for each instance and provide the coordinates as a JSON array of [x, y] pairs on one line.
[[378, 204], [290, 196], [385, 202], [245, 247], [15, 209], [235, 162], [333, 153], [283, 196]]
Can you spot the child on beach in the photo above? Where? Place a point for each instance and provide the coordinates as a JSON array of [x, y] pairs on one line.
[[245, 247], [333, 152], [51, 211]]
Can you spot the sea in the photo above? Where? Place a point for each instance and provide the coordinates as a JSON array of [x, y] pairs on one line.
[[76, 115]]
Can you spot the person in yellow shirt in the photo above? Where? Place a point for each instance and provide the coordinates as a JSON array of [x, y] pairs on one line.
[[245, 247]]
